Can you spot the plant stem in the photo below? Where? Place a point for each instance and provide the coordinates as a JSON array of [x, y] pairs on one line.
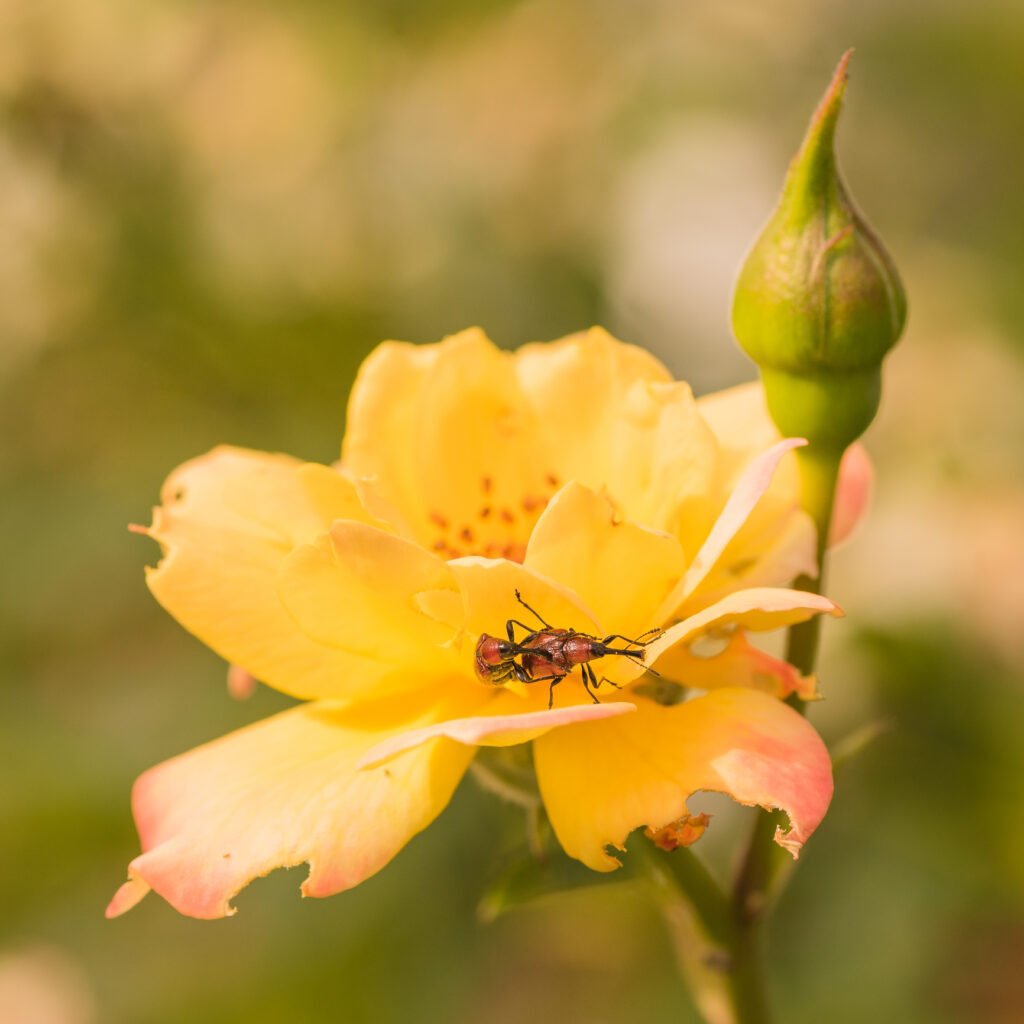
[[765, 859], [819, 471], [719, 940], [723, 977]]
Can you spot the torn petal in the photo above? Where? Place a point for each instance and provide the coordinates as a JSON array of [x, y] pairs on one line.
[[228, 520], [278, 793], [683, 831], [601, 780]]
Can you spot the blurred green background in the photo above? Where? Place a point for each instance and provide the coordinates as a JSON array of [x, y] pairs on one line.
[[210, 212]]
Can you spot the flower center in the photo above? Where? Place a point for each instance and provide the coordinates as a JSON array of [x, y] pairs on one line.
[[497, 529]]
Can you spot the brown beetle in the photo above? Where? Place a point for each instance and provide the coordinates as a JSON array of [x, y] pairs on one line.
[[551, 654]]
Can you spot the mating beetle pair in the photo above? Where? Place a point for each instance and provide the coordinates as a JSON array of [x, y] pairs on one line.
[[551, 654]]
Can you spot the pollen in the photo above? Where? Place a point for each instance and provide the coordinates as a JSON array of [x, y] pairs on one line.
[[500, 528]]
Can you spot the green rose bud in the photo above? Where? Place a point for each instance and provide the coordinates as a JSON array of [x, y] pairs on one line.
[[819, 302]]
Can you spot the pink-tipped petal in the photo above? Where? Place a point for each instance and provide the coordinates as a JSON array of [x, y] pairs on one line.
[[126, 897], [280, 792], [601, 781], [853, 492], [493, 730]]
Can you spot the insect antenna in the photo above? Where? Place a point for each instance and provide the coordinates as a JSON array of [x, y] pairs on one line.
[[519, 598]]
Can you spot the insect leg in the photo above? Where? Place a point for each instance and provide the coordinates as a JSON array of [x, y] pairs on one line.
[[521, 625], [610, 682], [589, 680], [555, 680]]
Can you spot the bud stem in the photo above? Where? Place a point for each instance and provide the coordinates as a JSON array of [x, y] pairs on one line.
[[819, 472]]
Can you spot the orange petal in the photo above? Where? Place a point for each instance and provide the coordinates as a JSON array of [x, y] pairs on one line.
[[601, 780], [620, 569], [228, 520], [495, 730], [278, 793]]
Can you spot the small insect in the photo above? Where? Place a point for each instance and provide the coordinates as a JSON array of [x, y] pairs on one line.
[[552, 651]]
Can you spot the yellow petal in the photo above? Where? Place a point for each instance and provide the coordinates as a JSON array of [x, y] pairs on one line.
[[580, 388], [620, 570], [741, 423], [489, 592], [280, 792], [601, 780], [743, 427], [452, 444], [749, 488], [228, 520], [355, 588]]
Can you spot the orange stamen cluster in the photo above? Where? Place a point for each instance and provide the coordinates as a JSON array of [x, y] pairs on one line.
[[498, 530]]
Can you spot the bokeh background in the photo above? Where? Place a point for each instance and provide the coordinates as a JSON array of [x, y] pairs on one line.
[[210, 212]]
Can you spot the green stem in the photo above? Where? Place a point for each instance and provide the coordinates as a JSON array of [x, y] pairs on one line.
[[725, 982], [719, 940], [765, 860], [819, 471]]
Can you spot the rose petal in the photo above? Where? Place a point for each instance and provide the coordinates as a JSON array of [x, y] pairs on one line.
[[493, 730], [739, 665], [228, 520], [446, 433], [489, 592], [278, 793], [758, 609], [748, 491], [853, 492], [620, 569], [601, 780], [354, 588]]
